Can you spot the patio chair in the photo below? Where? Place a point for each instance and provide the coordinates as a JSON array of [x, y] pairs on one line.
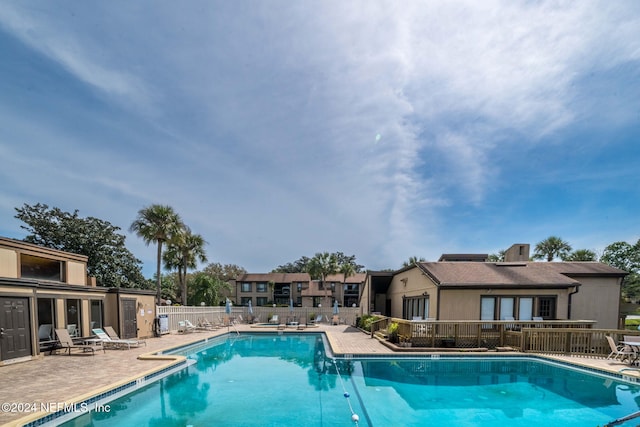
[[274, 319], [618, 352], [206, 325], [67, 343], [114, 336], [185, 326], [72, 329], [318, 319], [44, 332]]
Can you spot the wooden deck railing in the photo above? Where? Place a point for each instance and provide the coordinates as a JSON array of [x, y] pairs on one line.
[[553, 336]]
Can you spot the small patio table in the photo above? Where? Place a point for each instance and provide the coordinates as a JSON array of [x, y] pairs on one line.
[[635, 347]]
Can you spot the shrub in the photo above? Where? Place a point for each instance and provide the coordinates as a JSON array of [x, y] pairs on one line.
[[392, 331], [366, 320]]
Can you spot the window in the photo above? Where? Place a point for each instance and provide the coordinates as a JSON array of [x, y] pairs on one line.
[[74, 319], [261, 287], [525, 310], [96, 313], [246, 287], [46, 314], [506, 308], [299, 286], [521, 308], [245, 300], [33, 267], [547, 307], [261, 301], [487, 308], [414, 307], [351, 289]]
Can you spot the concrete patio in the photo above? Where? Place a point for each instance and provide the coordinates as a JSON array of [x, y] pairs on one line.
[[62, 378]]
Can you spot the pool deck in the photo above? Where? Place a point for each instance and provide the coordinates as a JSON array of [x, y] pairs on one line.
[[61, 378]]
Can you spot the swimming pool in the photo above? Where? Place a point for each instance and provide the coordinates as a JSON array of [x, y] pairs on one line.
[[274, 379]]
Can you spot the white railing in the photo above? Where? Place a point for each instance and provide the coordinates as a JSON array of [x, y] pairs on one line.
[[217, 314]]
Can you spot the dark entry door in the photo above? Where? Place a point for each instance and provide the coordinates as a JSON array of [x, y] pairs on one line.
[[15, 336], [130, 324]]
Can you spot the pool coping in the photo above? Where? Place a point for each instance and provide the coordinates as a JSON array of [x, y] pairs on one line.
[[175, 362]]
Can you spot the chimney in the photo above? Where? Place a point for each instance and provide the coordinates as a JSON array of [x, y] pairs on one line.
[[517, 253]]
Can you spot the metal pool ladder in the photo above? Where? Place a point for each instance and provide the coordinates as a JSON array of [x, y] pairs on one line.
[[623, 419]]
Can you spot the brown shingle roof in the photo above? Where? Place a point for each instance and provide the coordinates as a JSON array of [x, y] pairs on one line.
[[470, 274], [356, 278]]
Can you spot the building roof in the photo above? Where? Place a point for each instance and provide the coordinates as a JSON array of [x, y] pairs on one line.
[[534, 274], [356, 278], [274, 277], [38, 250]]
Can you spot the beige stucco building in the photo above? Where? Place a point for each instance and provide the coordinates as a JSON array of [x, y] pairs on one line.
[[481, 290], [44, 289]]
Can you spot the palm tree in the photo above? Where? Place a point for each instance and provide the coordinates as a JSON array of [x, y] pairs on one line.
[[580, 255], [184, 250], [156, 223], [347, 270], [322, 265], [412, 260], [550, 248]]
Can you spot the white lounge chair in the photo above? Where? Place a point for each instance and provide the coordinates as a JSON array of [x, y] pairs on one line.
[[185, 326], [107, 342], [114, 336], [274, 319]]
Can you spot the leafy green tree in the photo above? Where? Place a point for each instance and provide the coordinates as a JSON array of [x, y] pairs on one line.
[[108, 259], [580, 255], [412, 260], [631, 286], [342, 259], [622, 255], [304, 264], [625, 256], [207, 288], [550, 248], [299, 266], [169, 285], [224, 272], [184, 250], [157, 224]]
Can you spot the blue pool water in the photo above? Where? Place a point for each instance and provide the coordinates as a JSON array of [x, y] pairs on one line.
[[290, 380]]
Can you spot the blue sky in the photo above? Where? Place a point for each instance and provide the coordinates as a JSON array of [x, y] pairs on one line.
[[280, 129]]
